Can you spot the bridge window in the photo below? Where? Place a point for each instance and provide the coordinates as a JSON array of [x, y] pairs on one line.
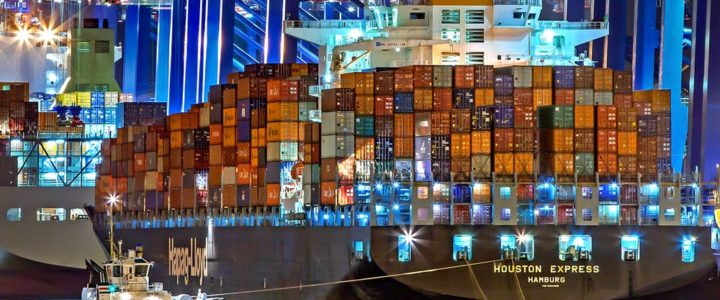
[[475, 35], [520, 247], [78, 214], [417, 16], [475, 16], [451, 34], [50, 214], [450, 58], [630, 248], [715, 239], [518, 15], [575, 247], [102, 47], [475, 58], [462, 247], [450, 16], [141, 270], [14, 214]]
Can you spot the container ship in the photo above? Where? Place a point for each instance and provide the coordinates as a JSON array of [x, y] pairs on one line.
[[536, 181]]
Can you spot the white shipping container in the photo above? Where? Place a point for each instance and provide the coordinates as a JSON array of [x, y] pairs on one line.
[[337, 146], [304, 110], [311, 174], [228, 175], [584, 97], [603, 98], [342, 122], [522, 77], [282, 151], [364, 170]]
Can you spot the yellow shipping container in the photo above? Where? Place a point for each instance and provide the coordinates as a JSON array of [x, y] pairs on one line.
[[229, 139], [363, 83], [484, 97], [257, 139], [563, 163], [282, 131], [542, 97], [584, 116], [67, 99], [542, 77], [229, 119], [603, 80], [460, 145], [175, 122], [524, 163], [176, 139], [83, 99], [481, 142], [627, 142], [282, 111], [482, 192], [504, 163]]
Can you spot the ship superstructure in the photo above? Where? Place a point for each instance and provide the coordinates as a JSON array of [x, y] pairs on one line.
[[401, 33]]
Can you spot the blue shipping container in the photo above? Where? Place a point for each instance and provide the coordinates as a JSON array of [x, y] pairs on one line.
[[504, 116], [423, 148], [461, 193], [243, 131], [243, 110], [503, 85], [441, 170], [564, 77], [403, 102], [384, 148], [482, 118], [423, 170], [463, 98]]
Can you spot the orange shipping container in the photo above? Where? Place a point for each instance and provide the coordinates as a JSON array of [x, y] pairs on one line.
[[363, 83], [542, 77], [243, 174], [229, 118], [585, 116], [460, 145], [215, 176], [484, 97], [175, 123], [440, 121], [364, 148], [504, 163], [364, 105], [627, 142], [557, 140], [229, 137], [176, 139], [423, 99], [258, 137], [273, 194], [564, 97], [603, 80], [464, 77], [283, 132], [384, 105], [481, 142], [404, 80], [442, 99], [327, 193], [404, 147], [345, 195], [282, 90], [607, 163], [524, 163], [216, 158], [606, 116], [190, 120], [643, 109], [542, 97], [607, 140], [216, 134], [282, 111], [404, 125], [243, 153], [563, 163]]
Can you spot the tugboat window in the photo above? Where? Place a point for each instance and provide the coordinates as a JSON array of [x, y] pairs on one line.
[[575, 247], [404, 248], [462, 247], [14, 214], [141, 271], [78, 214], [50, 214], [630, 248]]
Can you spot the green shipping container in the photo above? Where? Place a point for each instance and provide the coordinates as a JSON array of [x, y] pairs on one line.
[[365, 126], [585, 164], [556, 116]]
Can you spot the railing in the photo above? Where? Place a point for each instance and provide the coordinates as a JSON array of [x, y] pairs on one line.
[[330, 24], [570, 25], [518, 2]]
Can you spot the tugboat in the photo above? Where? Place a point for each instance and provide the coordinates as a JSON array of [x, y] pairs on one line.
[[124, 277]]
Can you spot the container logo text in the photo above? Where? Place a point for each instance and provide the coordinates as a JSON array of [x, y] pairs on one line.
[[187, 261]]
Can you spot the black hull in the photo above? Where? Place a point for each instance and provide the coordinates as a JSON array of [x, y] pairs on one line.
[[25, 279], [255, 258]]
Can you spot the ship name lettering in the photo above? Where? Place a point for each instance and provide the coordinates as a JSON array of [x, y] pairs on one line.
[[574, 269], [545, 279], [503, 268], [187, 262]]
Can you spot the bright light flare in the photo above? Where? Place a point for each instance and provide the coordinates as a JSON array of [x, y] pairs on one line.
[[22, 35], [48, 36], [112, 200]]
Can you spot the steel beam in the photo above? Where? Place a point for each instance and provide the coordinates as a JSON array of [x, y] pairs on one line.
[[616, 40], [646, 41], [671, 75]]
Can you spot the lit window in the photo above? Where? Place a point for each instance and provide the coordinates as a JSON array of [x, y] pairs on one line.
[[669, 214], [475, 58], [404, 248], [587, 214], [14, 214], [417, 16], [475, 17], [78, 214], [630, 248], [450, 16], [83, 47], [451, 34], [462, 247], [715, 239], [475, 35], [688, 249], [50, 214], [505, 214], [450, 58], [670, 192], [575, 247], [505, 193], [518, 15], [587, 192]]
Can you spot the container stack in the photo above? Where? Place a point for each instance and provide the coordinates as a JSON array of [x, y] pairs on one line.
[[337, 142], [283, 143], [482, 142], [18, 116]]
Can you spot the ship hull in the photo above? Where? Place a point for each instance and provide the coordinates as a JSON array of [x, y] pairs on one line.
[[247, 258], [21, 278]]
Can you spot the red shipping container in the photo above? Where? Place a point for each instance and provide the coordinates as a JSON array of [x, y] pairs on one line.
[[627, 165], [384, 82], [464, 77], [273, 194], [524, 140], [405, 125], [504, 140], [403, 147], [564, 97], [384, 105], [643, 109], [626, 120], [484, 76], [442, 99], [461, 120], [423, 76], [607, 163], [364, 148], [522, 97], [441, 123], [327, 193], [647, 167], [460, 145], [504, 100], [585, 140], [647, 148], [606, 116], [243, 153], [607, 140], [524, 117], [243, 174], [423, 99], [345, 195]]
